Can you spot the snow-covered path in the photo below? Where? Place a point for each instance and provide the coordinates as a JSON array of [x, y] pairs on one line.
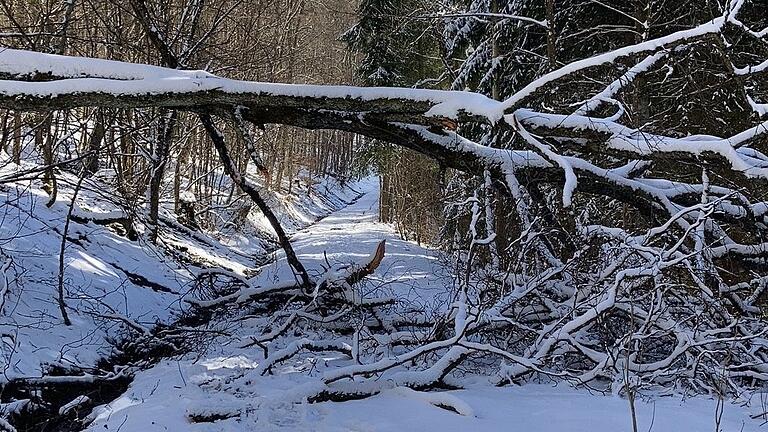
[[352, 234], [222, 385]]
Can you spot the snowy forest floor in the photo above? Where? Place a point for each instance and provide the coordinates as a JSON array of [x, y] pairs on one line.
[[221, 391]]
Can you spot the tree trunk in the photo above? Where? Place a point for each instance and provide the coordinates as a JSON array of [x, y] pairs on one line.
[[17, 126], [4, 137], [44, 138], [551, 36], [94, 145], [158, 164], [231, 169]]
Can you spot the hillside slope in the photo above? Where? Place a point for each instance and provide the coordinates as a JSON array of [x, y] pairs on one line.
[[112, 282]]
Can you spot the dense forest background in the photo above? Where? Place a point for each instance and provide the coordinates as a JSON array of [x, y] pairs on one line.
[[492, 47]]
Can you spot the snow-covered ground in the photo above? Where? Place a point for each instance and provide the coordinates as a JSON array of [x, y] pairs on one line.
[[164, 399], [223, 390]]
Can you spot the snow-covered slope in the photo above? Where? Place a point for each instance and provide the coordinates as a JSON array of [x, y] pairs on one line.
[[109, 279], [225, 391]]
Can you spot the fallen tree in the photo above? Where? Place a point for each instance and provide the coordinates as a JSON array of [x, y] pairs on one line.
[[673, 300]]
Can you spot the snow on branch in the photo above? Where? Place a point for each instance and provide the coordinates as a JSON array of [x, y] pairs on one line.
[[79, 81], [621, 138], [665, 42], [497, 16], [616, 86]]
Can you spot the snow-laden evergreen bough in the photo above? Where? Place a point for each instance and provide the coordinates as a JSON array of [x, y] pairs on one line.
[[640, 278]]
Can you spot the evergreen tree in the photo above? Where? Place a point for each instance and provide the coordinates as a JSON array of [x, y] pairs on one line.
[[390, 38], [398, 48], [493, 51]]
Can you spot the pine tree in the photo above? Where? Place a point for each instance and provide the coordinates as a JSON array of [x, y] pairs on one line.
[[496, 52], [387, 38]]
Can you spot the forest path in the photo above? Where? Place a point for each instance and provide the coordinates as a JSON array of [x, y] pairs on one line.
[[352, 234]]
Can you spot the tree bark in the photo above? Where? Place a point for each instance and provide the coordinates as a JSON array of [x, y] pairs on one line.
[[158, 163], [17, 126], [97, 138], [551, 36]]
